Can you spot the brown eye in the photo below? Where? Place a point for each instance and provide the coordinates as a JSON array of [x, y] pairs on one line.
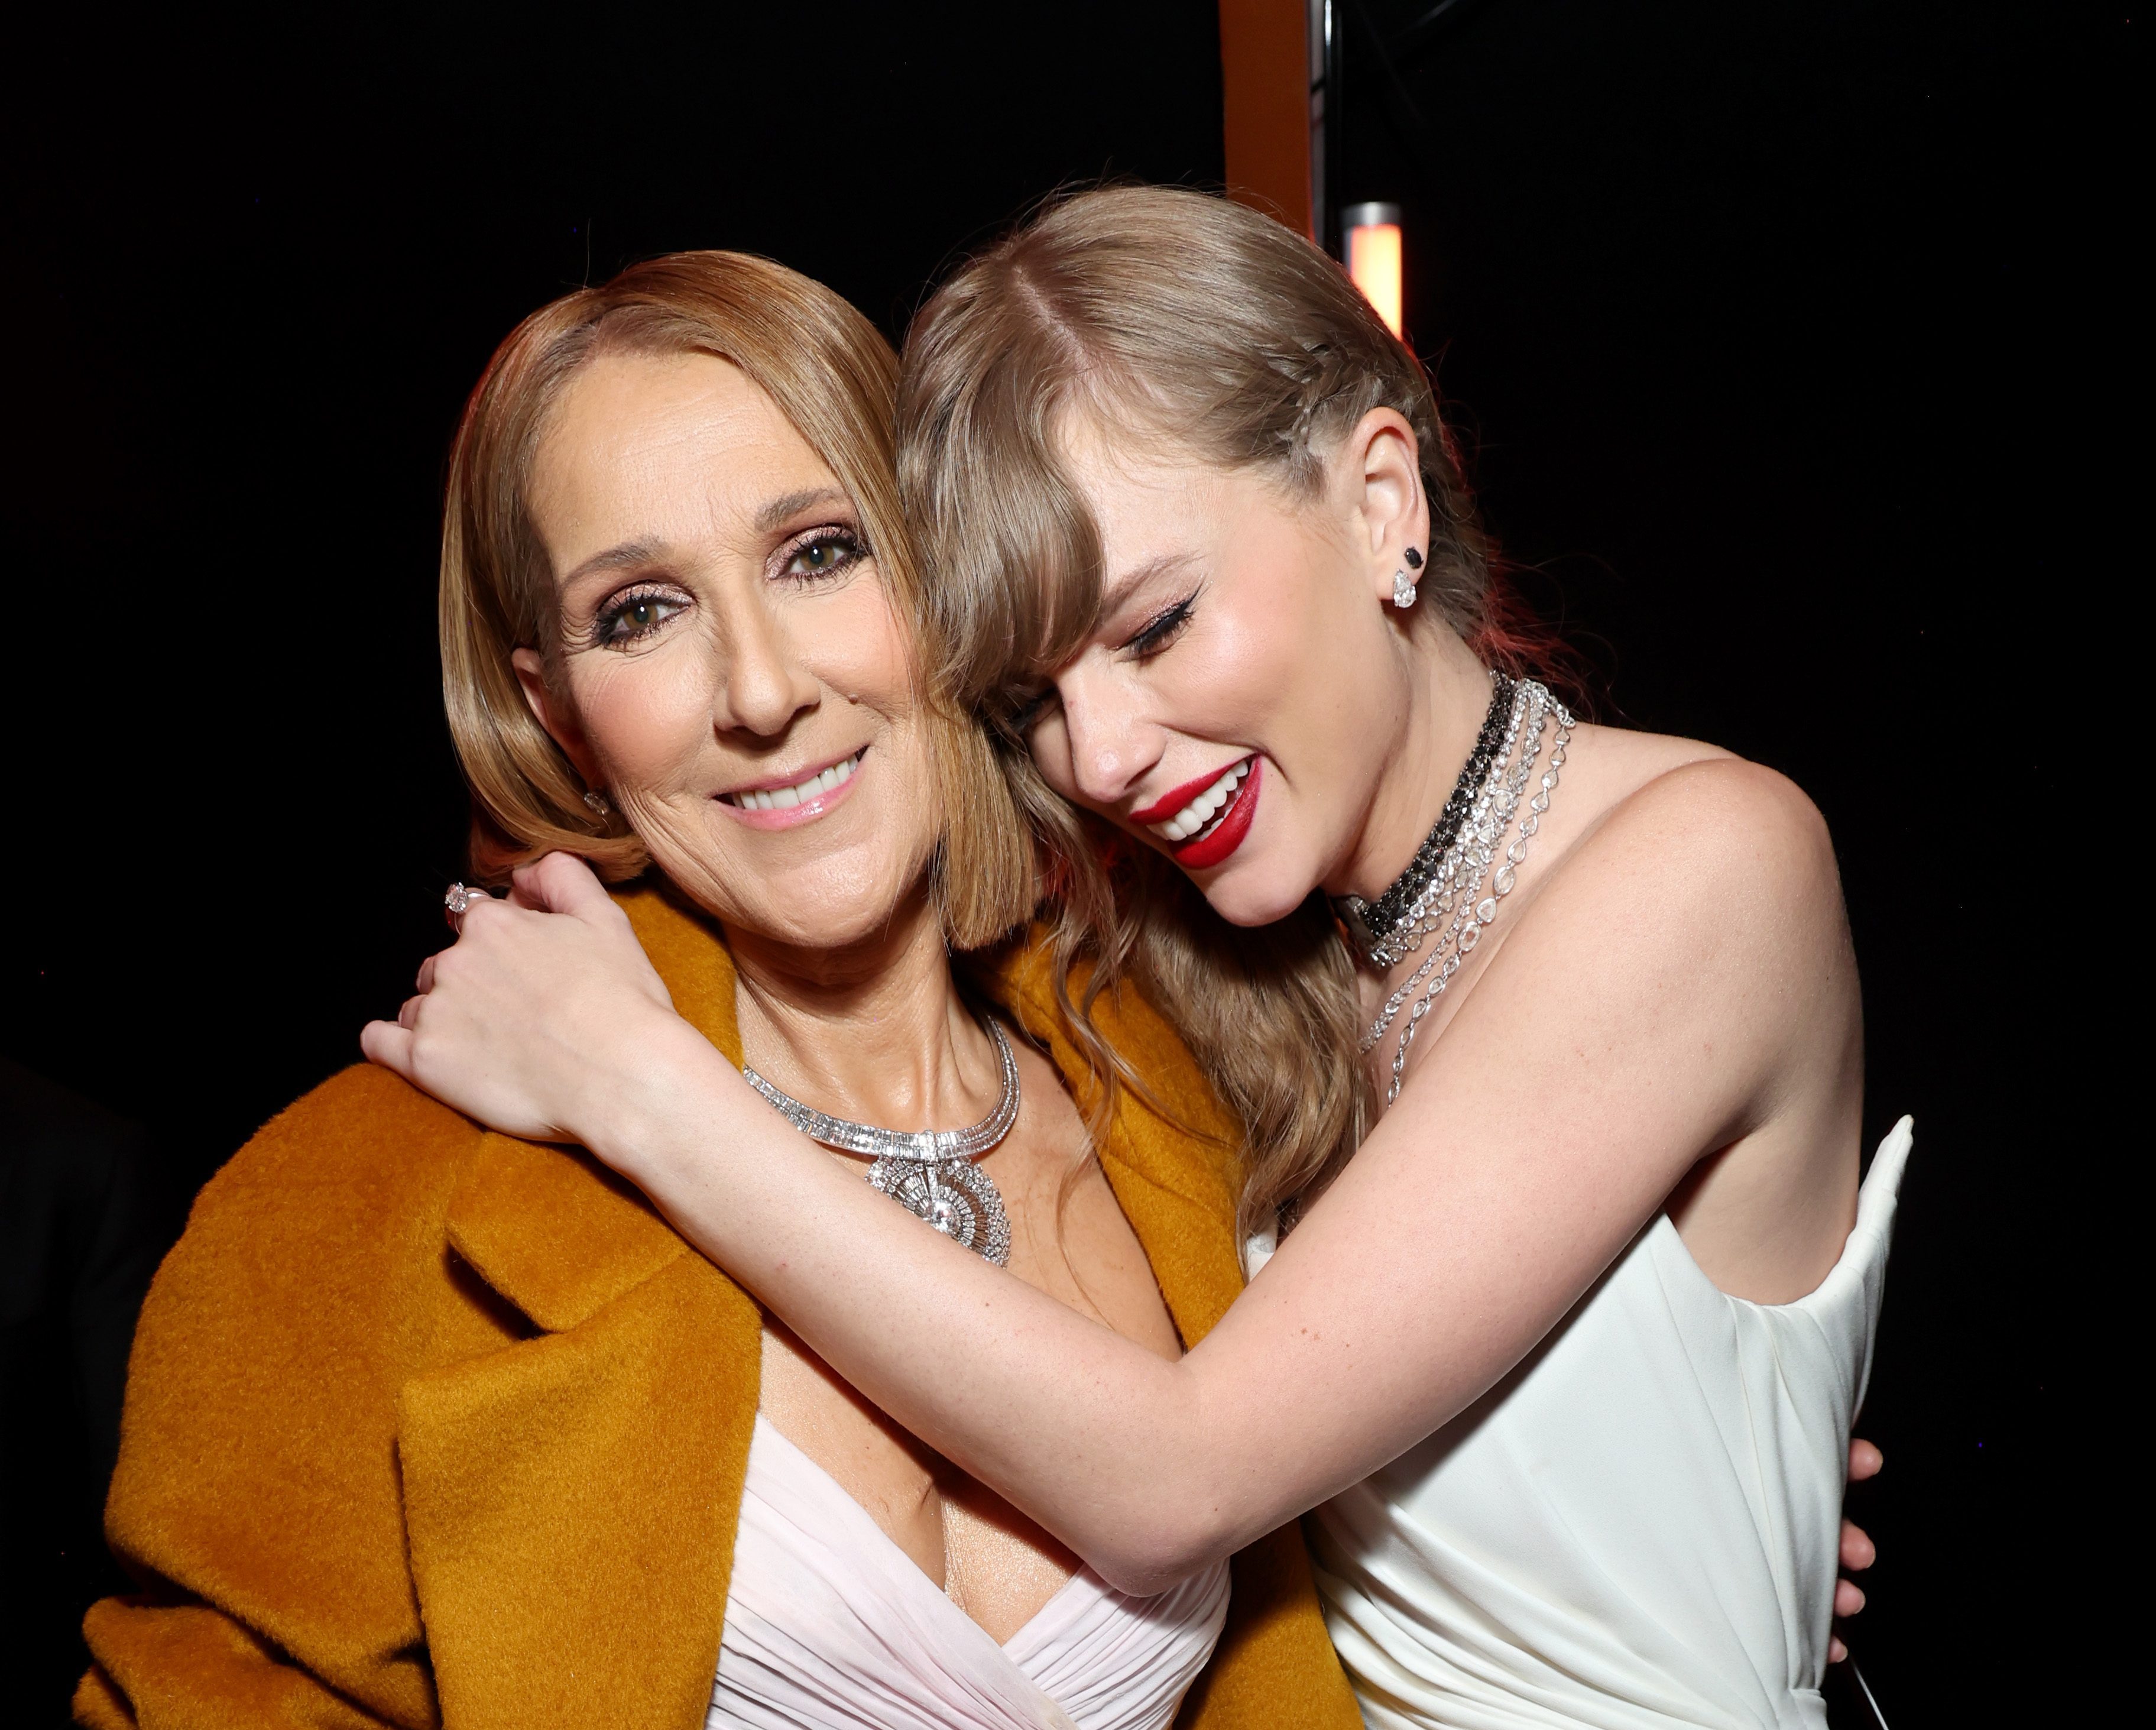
[[629, 616], [826, 555]]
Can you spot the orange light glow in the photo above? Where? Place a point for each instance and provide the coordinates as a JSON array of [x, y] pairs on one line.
[[1373, 261]]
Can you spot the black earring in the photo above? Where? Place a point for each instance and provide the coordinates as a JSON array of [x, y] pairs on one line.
[[1415, 560]]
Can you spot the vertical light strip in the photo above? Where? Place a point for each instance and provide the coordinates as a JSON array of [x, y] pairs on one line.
[[1371, 234]]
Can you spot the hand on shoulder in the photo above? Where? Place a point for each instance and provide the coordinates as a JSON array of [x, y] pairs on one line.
[[539, 1013]]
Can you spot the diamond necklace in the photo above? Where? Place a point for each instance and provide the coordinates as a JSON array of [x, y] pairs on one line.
[[1454, 886], [1386, 931], [930, 1172], [1460, 874]]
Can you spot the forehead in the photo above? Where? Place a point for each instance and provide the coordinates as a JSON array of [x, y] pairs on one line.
[[678, 447], [1141, 485]]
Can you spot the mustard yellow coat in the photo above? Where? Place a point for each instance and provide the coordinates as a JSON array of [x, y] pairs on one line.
[[428, 1426]]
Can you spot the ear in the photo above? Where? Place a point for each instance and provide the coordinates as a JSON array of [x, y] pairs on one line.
[[1383, 468], [555, 715]]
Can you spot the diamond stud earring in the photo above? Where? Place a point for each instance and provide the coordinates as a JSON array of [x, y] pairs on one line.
[[600, 807], [1404, 590]]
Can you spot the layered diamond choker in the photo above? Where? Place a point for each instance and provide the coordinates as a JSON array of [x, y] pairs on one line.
[[1441, 894], [930, 1172], [1373, 927]]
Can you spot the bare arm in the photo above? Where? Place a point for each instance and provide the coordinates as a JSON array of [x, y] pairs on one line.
[[1643, 1013]]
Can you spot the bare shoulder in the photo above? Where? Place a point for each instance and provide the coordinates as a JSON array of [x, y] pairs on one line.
[[1691, 878], [1691, 920], [1724, 837], [1714, 880]]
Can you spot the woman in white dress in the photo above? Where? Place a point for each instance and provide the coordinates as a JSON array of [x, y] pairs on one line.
[[1563, 1351]]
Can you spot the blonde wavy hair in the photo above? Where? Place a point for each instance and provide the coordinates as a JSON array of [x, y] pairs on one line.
[[1172, 315], [834, 377]]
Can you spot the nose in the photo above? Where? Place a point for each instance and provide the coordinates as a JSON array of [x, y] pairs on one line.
[[1112, 747], [762, 685]]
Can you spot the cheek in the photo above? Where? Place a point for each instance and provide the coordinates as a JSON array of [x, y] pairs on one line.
[[645, 717], [1231, 682], [852, 641], [1288, 661]]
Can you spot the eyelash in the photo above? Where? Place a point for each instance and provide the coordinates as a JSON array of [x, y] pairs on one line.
[[610, 615], [1164, 628], [604, 623], [1024, 718], [1153, 637], [854, 550]]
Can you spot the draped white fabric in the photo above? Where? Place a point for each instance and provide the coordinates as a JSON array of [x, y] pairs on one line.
[[1638, 1529], [831, 1626]]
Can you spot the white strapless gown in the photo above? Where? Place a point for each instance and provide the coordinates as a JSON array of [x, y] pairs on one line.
[[831, 1626], [1638, 1529]]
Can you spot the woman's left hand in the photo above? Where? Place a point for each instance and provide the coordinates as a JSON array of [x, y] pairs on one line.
[[542, 1019]]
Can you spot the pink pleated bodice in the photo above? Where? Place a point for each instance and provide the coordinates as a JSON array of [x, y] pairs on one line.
[[831, 1626]]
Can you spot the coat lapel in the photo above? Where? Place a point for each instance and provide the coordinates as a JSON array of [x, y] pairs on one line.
[[572, 1501], [1172, 1159]]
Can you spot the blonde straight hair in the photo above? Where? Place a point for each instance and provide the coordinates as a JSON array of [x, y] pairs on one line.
[[1164, 314], [831, 374]]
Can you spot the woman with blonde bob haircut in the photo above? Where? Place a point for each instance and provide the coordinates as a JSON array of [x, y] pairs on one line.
[[1545, 1036], [433, 1425]]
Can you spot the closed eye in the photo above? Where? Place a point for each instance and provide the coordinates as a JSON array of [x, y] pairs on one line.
[[1030, 712], [1161, 628]]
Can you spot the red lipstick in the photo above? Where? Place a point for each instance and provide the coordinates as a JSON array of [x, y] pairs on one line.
[[1176, 797], [1204, 851]]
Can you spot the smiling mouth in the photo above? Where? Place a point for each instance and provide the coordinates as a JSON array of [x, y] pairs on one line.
[[796, 793], [1209, 810]]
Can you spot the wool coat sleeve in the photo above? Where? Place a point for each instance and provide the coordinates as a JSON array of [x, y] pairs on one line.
[[257, 1498]]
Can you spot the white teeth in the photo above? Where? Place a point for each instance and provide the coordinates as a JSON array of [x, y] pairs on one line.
[[781, 798], [1201, 810]]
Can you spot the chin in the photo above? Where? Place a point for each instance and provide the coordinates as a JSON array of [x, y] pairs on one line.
[[1252, 896], [849, 896], [836, 897]]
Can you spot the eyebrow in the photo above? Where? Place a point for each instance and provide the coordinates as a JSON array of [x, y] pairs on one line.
[[768, 517], [793, 504], [629, 552], [1132, 581]]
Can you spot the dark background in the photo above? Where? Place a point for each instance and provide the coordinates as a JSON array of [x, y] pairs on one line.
[[1789, 341]]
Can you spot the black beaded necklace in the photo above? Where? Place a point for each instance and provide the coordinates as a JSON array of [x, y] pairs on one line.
[[1370, 924]]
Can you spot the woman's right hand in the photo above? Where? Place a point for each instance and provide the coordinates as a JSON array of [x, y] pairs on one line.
[[1858, 1551], [542, 1019]]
